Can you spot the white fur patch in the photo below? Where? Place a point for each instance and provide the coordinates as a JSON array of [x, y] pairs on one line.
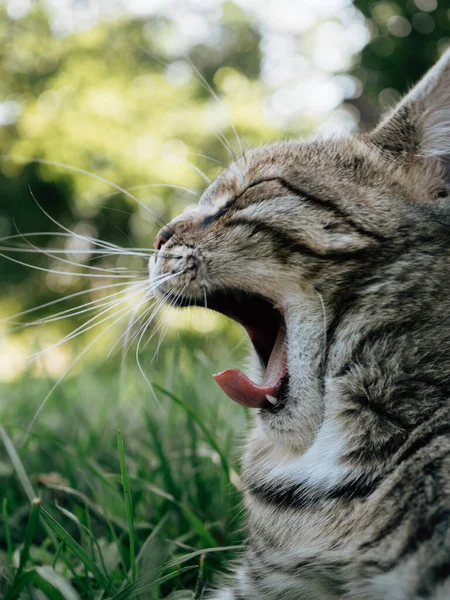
[[319, 466]]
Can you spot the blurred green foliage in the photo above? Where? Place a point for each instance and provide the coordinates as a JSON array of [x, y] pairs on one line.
[[407, 38]]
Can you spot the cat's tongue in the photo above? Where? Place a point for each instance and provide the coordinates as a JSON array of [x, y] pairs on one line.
[[244, 391]]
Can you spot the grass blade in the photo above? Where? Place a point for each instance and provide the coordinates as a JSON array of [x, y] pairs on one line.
[[191, 555], [143, 583], [206, 432], [128, 504], [18, 582], [7, 531], [18, 466], [74, 546], [53, 585]]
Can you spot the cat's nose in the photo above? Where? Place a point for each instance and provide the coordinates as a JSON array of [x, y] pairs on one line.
[[162, 238]]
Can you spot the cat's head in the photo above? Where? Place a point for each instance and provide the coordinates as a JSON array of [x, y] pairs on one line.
[[287, 234]]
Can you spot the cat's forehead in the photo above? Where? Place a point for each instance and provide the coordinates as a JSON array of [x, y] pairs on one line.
[[255, 165], [317, 162], [337, 166]]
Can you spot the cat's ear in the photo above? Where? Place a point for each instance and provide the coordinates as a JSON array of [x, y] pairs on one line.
[[418, 129]]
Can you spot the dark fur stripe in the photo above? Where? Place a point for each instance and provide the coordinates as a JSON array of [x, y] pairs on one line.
[[330, 207], [403, 512], [302, 495], [430, 435], [436, 575], [287, 245], [207, 221], [313, 200]]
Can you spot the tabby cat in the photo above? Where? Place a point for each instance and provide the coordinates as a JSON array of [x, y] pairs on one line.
[[334, 255]]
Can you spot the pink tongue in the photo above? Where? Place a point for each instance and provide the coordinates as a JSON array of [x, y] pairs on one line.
[[243, 391]]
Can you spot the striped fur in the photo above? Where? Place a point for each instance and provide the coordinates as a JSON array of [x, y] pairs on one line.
[[347, 480]]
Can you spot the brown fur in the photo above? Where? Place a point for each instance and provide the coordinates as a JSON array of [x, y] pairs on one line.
[[347, 479]]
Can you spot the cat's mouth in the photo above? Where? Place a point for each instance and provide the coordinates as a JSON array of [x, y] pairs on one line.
[[266, 328]]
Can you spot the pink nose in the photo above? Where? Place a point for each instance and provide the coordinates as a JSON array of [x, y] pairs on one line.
[[163, 236]]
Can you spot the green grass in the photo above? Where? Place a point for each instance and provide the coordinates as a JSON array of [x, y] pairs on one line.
[[118, 492]]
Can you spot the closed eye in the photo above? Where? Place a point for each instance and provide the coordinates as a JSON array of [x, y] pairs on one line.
[[209, 220]]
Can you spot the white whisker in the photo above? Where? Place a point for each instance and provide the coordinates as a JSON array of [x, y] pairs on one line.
[[66, 273], [164, 330], [84, 172], [51, 251], [138, 362], [220, 136], [70, 296], [154, 284], [83, 328], [75, 311], [168, 185], [70, 234], [34, 249], [209, 89], [191, 165], [69, 368], [214, 160]]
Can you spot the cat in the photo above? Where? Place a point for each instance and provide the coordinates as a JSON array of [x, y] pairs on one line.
[[334, 255]]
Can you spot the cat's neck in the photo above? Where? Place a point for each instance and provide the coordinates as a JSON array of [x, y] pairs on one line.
[[384, 372], [388, 358]]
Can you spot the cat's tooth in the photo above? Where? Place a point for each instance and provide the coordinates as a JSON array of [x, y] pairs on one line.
[[272, 399]]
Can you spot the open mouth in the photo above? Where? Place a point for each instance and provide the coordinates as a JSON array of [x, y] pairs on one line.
[[266, 328]]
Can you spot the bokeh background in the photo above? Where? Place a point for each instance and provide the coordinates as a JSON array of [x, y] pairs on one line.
[[153, 97]]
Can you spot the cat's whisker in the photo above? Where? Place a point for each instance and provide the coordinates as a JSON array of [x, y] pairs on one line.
[[70, 235], [61, 378], [75, 311], [156, 308], [67, 273], [128, 330], [54, 256], [167, 185], [125, 335], [146, 321], [111, 251], [89, 324], [164, 328], [54, 251], [219, 135], [191, 165], [141, 287], [63, 299], [73, 233], [210, 90], [138, 346], [214, 160], [162, 302], [62, 165], [130, 339]]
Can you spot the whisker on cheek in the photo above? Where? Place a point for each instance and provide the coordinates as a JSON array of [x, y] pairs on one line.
[[84, 308], [66, 372]]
